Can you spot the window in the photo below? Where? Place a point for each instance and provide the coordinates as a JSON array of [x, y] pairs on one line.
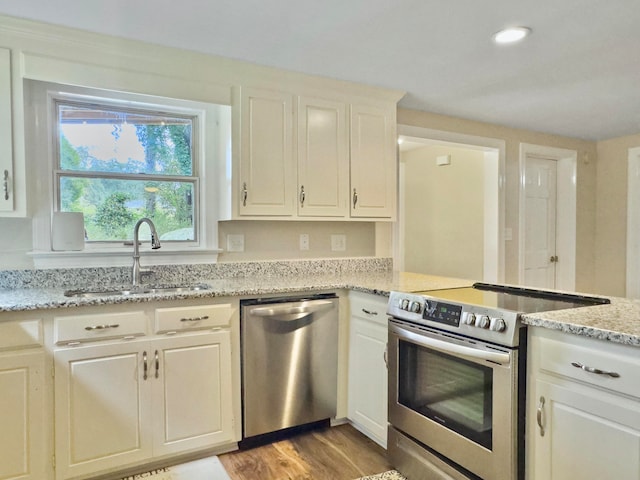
[[119, 156], [117, 165]]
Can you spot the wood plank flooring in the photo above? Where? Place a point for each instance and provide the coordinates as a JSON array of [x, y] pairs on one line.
[[337, 453]]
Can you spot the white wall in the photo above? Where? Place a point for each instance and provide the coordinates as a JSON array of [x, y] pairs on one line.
[[444, 212]]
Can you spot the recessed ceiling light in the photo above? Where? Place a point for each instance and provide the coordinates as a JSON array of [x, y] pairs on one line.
[[511, 35]]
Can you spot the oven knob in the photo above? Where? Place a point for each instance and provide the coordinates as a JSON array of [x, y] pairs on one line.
[[498, 325], [469, 318], [403, 303], [482, 321], [415, 307]]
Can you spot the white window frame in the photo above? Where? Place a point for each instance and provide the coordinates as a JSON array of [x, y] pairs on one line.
[[210, 149]]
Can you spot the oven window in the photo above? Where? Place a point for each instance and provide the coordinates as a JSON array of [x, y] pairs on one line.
[[451, 391]]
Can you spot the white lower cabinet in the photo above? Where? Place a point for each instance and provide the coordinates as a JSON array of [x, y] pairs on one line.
[[582, 424], [23, 452], [367, 404], [124, 402]]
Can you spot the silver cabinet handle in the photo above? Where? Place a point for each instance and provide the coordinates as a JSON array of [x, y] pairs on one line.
[[101, 327], [539, 416], [386, 356], [369, 312], [302, 196], [244, 194], [355, 198], [597, 371], [144, 365], [157, 364], [5, 184], [194, 319]]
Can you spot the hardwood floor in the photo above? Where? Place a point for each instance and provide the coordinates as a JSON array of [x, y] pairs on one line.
[[337, 453]]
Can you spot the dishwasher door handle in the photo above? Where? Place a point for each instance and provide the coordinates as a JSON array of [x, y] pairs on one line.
[[289, 312]]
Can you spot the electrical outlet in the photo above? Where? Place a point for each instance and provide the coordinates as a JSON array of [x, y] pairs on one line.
[[304, 241], [235, 243], [338, 243]]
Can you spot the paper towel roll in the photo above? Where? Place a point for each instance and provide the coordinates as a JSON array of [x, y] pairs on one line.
[[67, 231]]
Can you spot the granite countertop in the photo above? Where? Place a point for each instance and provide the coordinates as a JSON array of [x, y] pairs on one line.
[[379, 283], [618, 322]]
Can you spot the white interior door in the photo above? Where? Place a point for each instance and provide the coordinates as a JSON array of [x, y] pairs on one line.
[[540, 222]]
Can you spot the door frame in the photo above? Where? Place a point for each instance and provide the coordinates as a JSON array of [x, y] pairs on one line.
[[633, 224], [566, 211], [494, 235]]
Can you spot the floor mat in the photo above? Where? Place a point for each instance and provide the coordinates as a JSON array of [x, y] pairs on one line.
[[208, 468], [390, 475]]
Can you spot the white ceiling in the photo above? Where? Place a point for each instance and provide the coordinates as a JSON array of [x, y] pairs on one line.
[[577, 75]]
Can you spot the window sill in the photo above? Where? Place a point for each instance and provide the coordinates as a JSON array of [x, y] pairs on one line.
[[120, 258]]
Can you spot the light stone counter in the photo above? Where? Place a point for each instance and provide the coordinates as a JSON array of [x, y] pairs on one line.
[[618, 322], [379, 283], [24, 291]]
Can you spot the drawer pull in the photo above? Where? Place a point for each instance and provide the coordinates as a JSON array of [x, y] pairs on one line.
[[194, 319], [101, 327], [539, 415], [369, 312], [597, 371]]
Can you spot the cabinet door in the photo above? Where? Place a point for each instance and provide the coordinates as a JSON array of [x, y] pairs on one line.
[[368, 378], [267, 175], [588, 434], [6, 135], [22, 416], [323, 162], [102, 407], [192, 392], [373, 162]]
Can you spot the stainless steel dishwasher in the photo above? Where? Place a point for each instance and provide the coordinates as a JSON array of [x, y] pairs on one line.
[[289, 362]]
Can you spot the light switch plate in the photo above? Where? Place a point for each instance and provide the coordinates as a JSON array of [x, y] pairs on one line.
[[235, 243], [338, 243]]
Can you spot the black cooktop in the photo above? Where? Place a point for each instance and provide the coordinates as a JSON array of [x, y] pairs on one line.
[[517, 299]]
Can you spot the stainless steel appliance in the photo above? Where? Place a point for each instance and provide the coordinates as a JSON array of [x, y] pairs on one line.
[[289, 362], [456, 363]]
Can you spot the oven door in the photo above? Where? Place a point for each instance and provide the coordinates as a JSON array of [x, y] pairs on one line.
[[456, 396]]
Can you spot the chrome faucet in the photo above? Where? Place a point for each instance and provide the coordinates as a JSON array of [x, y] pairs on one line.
[[155, 244]]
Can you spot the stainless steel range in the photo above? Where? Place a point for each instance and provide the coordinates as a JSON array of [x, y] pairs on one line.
[[457, 379]]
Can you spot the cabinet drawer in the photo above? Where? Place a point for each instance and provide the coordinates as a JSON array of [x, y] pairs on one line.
[[93, 328], [192, 318], [559, 358], [371, 307], [27, 333]]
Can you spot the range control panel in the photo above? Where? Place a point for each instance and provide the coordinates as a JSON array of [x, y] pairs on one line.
[[486, 323]]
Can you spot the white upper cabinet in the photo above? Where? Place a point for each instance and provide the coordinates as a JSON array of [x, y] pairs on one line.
[[303, 157], [13, 188], [6, 135], [373, 161], [323, 158], [266, 174]]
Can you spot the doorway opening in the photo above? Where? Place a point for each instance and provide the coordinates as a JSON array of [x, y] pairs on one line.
[[633, 224], [451, 205]]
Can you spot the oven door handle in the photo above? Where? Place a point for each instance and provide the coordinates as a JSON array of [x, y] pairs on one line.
[[443, 346]]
